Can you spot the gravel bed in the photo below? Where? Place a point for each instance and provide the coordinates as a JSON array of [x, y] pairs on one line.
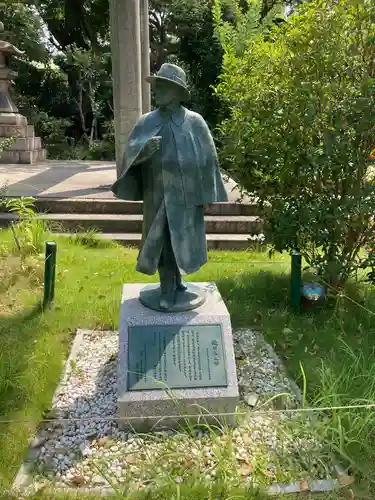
[[262, 449]]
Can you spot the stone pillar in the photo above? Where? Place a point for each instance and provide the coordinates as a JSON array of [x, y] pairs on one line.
[[126, 69], [145, 54]]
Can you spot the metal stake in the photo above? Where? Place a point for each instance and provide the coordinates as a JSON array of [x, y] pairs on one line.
[[296, 281], [49, 273]]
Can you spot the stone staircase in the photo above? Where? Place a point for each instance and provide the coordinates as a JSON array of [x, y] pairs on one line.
[[228, 225]]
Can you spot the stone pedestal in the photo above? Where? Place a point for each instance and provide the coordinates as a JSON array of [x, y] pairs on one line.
[[26, 148], [175, 368]]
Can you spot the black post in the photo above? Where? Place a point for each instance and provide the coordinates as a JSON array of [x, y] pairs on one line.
[[296, 281], [49, 273]]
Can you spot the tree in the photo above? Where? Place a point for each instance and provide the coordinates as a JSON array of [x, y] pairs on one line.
[[162, 41], [72, 85], [79, 29], [68, 95], [41, 91], [301, 129], [195, 46], [23, 28], [80, 23], [200, 52]]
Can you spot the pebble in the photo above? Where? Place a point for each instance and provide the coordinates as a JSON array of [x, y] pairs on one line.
[[98, 480], [38, 442], [77, 480], [252, 399], [78, 450]]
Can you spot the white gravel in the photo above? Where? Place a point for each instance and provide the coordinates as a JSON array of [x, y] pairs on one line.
[[94, 453]]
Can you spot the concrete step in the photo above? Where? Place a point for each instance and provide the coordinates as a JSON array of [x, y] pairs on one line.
[[132, 223], [114, 206], [214, 241]]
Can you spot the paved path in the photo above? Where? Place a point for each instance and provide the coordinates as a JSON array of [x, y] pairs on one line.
[[69, 179]]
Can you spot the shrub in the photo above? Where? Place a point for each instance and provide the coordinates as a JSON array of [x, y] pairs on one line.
[[302, 100], [30, 233]]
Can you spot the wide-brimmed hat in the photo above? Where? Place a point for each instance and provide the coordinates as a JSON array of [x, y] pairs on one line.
[[174, 74]]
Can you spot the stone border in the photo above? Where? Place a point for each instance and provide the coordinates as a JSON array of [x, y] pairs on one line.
[[22, 484], [272, 354]]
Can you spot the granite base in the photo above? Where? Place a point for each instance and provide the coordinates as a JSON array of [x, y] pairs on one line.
[[165, 407]]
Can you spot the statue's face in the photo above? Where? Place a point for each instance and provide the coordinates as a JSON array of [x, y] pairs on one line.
[[165, 93]]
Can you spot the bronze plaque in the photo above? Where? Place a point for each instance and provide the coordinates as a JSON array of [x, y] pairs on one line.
[[176, 356]]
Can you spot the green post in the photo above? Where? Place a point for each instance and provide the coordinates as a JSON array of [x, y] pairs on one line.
[[296, 281], [49, 273]]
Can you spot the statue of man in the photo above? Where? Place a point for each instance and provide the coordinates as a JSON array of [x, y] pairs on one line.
[[170, 162]]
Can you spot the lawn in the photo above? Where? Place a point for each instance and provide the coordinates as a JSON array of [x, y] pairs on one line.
[[334, 346]]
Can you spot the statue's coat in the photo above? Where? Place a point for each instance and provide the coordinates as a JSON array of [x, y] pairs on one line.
[[174, 185]]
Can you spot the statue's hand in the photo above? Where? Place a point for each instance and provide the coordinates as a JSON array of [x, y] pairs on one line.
[[151, 146]]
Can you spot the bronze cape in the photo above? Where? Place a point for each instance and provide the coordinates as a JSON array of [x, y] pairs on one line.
[[174, 185]]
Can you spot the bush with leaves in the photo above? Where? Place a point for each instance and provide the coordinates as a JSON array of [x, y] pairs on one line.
[[6, 143], [31, 232], [302, 129]]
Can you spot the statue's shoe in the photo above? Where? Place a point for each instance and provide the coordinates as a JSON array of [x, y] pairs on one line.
[[180, 285], [167, 300]]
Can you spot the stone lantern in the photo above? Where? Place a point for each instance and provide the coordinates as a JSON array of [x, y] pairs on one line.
[[25, 148]]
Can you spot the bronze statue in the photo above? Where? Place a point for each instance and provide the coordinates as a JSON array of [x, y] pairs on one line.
[[170, 162]]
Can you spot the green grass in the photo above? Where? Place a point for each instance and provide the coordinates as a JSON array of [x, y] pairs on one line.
[[335, 346], [191, 492]]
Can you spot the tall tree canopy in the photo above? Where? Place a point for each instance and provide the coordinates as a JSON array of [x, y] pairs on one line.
[[72, 87]]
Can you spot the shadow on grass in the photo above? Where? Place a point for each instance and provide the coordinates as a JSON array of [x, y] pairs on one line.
[[17, 335], [260, 300], [27, 379], [248, 295]]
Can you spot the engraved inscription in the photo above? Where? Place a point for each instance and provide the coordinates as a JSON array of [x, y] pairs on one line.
[[176, 357]]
